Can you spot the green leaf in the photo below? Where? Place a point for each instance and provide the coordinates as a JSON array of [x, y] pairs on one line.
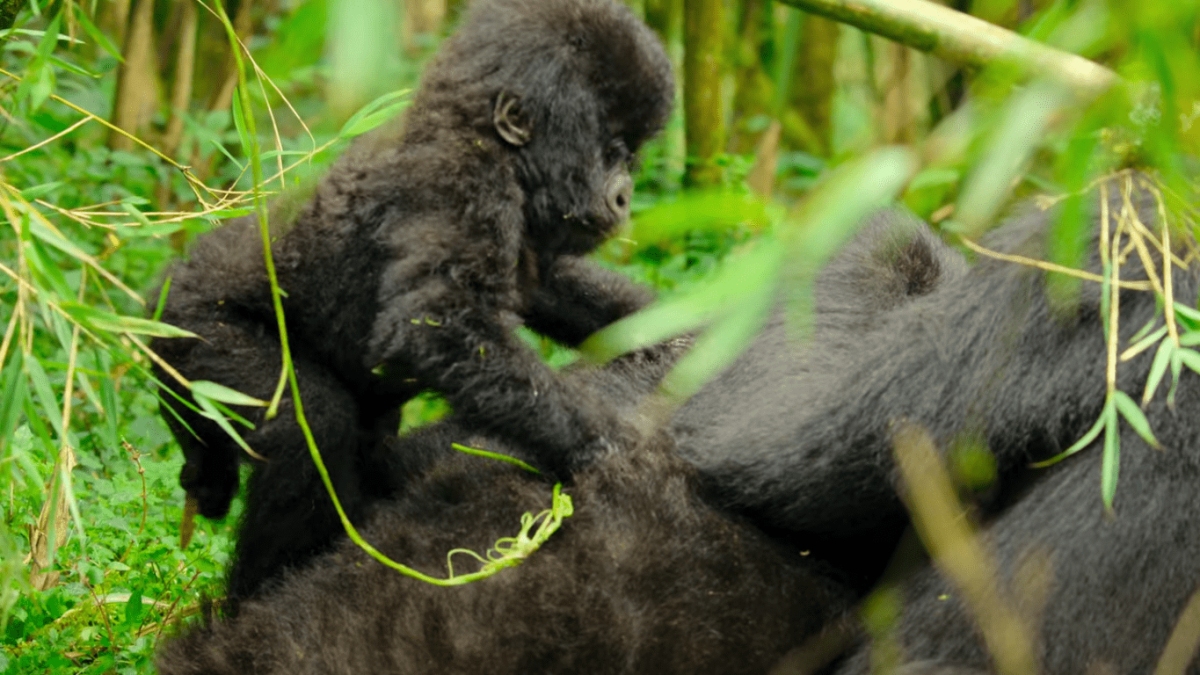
[[1190, 358], [45, 395], [1022, 129], [698, 211], [13, 395], [98, 36], [38, 191], [219, 392], [719, 346], [133, 609], [1176, 371], [1133, 414], [209, 410], [46, 271], [375, 113], [740, 277], [1144, 343], [828, 218], [1079, 445], [103, 320], [162, 299], [50, 38], [1112, 455], [1188, 312], [1157, 369]]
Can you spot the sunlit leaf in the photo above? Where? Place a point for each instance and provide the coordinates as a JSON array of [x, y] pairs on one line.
[[375, 113], [100, 319], [218, 392]]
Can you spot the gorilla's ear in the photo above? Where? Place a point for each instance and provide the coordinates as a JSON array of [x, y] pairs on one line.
[[510, 120]]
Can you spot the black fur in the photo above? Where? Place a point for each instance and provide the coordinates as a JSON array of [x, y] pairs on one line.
[[807, 453], [418, 258], [645, 578]]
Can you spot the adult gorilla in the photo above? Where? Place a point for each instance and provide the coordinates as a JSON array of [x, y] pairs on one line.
[[984, 359]]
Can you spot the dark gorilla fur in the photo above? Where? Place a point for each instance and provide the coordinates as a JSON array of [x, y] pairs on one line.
[[645, 578], [791, 440], [807, 454], [417, 259]]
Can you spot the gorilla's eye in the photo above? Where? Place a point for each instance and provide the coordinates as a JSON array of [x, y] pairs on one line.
[[617, 153]]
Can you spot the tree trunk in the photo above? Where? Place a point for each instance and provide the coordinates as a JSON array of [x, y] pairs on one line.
[[895, 96], [813, 86], [703, 30], [185, 68], [136, 98]]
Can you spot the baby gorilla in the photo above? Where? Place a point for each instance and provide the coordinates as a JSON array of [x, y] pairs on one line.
[[413, 262]]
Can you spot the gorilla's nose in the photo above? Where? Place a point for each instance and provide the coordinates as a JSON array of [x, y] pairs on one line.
[[620, 196]]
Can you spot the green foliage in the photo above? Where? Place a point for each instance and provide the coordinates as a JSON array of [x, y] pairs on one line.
[[88, 231]]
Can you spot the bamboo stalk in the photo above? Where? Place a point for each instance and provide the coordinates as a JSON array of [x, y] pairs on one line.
[[962, 38]]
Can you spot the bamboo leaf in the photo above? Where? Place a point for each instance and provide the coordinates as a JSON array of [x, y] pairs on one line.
[[209, 409], [1079, 445], [1112, 456], [218, 392], [375, 113], [1190, 358], [1136, 418], [1157, 369], [103, 320], [1144, 343], [737, 279]]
